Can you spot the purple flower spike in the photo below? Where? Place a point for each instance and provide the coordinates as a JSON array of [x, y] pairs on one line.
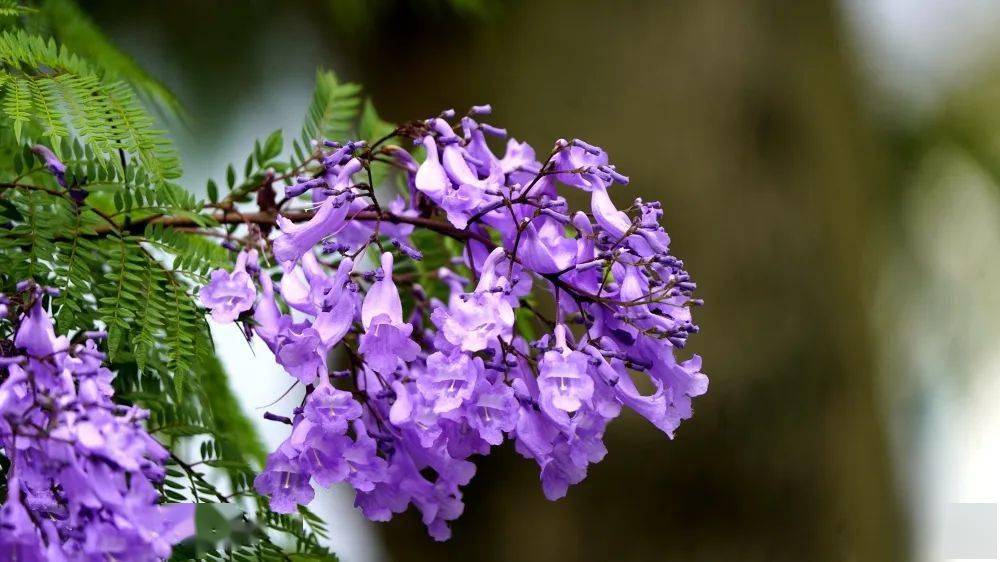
[[83, 471], [473, 361]]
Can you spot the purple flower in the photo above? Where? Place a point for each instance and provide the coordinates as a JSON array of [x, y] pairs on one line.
[[83, 469], [300, 354], [230, 294], [285, 485], [20, 539], [297, 239], [413, 412], [419, 398], [366, 467], [449, 380], [386, 340], [431, 177], [321, 454], [575, 157], [563, 378], [52, 163], [269, 321], [36, 335], [544, 247], [492, 411], [331, 409], [460, 199], [475, 320]]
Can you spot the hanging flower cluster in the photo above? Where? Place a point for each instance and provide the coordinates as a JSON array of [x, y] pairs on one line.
[[428, 388], [80, 483]]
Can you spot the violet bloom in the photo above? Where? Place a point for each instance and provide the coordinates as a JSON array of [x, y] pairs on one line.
[[19, 538], [366, 467], [458, 200], [285, 485], [563, 380], [52, 163], [405, 434], [321, 454], [545, 248], [431, 178], [412, 411], [270, 322], [229, 294], [301, 354], [574, 157], [330, 408], [560, 472], [91, 462], [492, 411], [386, 340], [36, 334], [473, 321], [449, 379], [297, 239]]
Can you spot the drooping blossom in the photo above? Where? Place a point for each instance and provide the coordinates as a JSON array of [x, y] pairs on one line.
[[52, 162], [228, 294], [386, 340], [83, 471], [531, 329]]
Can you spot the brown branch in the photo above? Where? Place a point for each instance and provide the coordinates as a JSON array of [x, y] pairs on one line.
[[263, 218], [112, 225]]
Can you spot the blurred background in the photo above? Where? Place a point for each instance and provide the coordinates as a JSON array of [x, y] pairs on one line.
[[830, 173]]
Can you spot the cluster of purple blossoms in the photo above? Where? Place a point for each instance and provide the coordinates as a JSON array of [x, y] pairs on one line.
[[429, 388], [82, 474]]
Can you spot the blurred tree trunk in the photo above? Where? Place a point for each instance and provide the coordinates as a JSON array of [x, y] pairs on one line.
[[744, 119]]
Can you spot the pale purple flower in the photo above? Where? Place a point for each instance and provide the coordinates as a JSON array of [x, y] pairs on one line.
[[419, 399], [297, 239], [473, 321], [576, 157], [564, 381], [286, 485], [366, 468], [52, 163], [492, 411], [386, 340], [300, 353], [83, 469], [228, 294], [330, 408], [449, 380], [412, 411]]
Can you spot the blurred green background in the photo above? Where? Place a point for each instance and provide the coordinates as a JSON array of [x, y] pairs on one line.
[[813, 165]]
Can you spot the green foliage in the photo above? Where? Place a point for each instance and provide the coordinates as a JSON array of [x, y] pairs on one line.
[[338, 113], [49, 93], [106, 241], [13, 8], [333, 110]]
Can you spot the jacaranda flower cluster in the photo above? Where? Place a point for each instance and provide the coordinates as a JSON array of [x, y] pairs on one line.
[[82, 473], [430, 385]]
